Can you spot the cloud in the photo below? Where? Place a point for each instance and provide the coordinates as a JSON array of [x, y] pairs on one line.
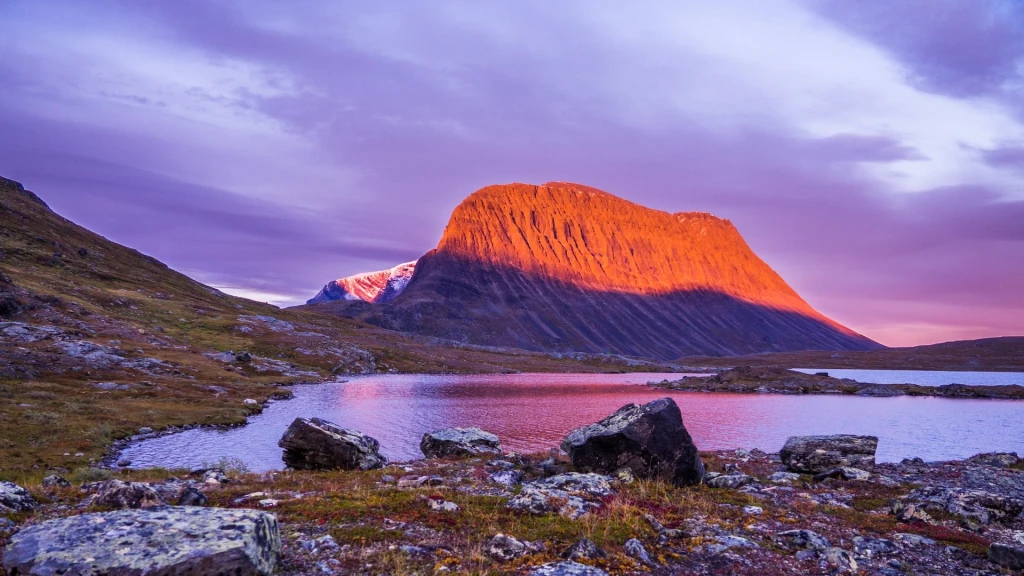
[[866, 150]]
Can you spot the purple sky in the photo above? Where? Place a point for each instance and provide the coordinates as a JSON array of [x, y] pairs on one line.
[[871, 152]]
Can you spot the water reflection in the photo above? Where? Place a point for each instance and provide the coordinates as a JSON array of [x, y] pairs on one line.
[[533, 412]]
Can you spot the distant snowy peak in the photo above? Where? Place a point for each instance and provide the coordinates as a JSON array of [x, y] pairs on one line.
[[375, 287]]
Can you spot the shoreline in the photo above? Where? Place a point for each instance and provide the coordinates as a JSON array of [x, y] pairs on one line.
[[764, 380]]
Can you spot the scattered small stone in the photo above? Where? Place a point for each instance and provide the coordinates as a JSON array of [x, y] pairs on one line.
[[250, 402], [869, 547], [753, 510], [635, 549], [387, 479], [804, 539], [839, 559], [413, 481], [505, 548], [116, 494], [567, 569], [584, 549], [145, 430], [733, 480], [442, 505], [783, 477], [55, 481], [507, 477], [192, 497], [571, 494], [913, 540]]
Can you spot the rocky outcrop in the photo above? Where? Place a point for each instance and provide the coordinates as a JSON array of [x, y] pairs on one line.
[[315, 444], [459, 442], [817, 454], [564, 267], [650, 441], [170, 540], [14, 498]]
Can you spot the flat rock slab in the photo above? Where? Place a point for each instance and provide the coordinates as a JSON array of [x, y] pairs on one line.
[[170, 540], [816, 454], [567, 569], [459, 442]]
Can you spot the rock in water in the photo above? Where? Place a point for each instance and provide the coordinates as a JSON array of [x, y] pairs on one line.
[[315, 444], [14, 498], [459, 442], [816, 454], [650, 441], [169, 540]]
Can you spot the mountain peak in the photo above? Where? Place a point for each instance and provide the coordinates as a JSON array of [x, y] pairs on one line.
[[374, 287]]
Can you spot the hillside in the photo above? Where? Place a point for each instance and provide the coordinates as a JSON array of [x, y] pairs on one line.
[[98, 340], [564, 267]]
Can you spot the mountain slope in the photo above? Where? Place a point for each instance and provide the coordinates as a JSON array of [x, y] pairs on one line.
[[565, 267], [376, 287]]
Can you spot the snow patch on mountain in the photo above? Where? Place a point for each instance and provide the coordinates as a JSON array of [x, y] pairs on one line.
[[376, 287]]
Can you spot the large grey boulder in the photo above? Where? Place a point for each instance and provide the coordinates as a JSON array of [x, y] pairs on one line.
[[459, 442], [14, 498], [816, 454], [168, 540], [650, 441], [315, 444]]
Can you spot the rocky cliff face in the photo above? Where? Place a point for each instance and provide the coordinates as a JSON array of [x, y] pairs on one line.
[[376, 287], [565, 267]]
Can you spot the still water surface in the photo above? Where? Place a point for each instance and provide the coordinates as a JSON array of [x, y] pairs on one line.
[[533, 412]]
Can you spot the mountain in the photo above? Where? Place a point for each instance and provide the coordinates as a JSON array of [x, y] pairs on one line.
[[376, 287], [98, 340], [564, 267]]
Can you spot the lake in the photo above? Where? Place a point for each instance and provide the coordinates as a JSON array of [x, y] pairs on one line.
[[922, 377], [533, 412]]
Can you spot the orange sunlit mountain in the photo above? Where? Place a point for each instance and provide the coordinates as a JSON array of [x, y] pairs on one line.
[[565, 267]]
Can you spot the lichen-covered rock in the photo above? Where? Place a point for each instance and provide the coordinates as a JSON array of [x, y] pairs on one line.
[[169, 540], [459, 442], [14, 498], [845, 473], [55, 481], [116, 494], [733, 480], [803, 539], [816, 454], [1007, 556], [567, 569], [978, 505], [503, 547], [584, 549], [650, 441], [995, 459], [571, 495], [315, 444]]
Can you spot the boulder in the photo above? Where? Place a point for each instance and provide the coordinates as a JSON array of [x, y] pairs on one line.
[[116, 494], [55, 481], [459, 442], [584, 549], [315, 444], [505, 548], [816, 454], [14, 498], [845, 473], [169, 540], [650, 441], [803, 539], [732, 480]]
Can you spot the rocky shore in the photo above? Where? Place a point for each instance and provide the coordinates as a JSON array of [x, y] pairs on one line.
[[617, 499], [769, 380]]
